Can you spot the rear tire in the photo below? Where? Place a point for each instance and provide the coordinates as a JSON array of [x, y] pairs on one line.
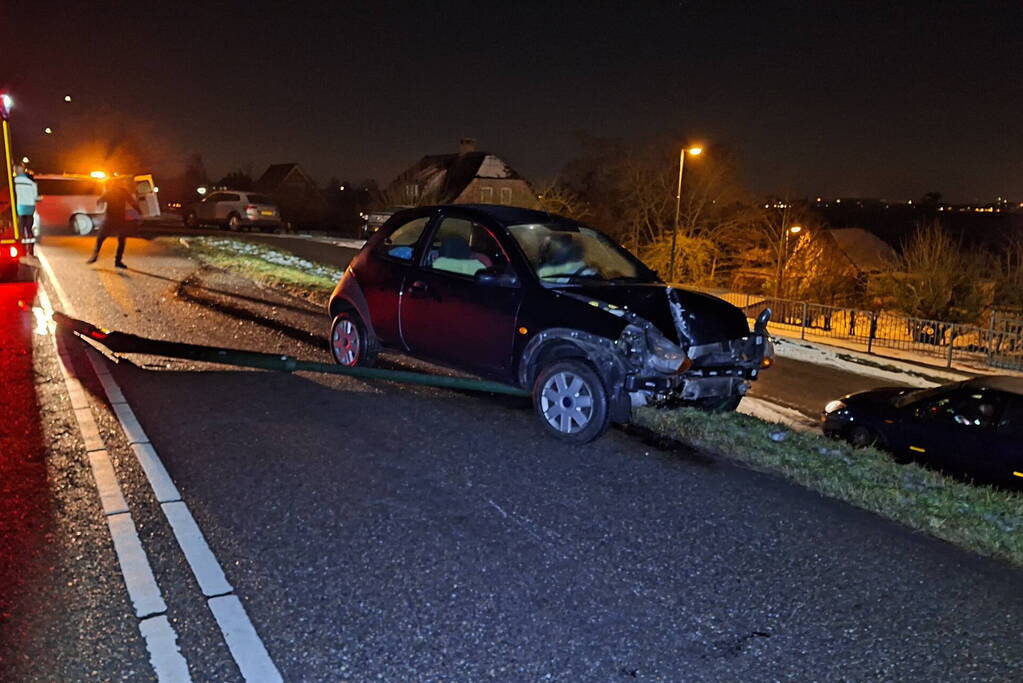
[[350, 343], [81, 224], [570, 399]]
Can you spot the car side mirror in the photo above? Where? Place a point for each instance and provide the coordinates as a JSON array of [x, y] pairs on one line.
[[496, 277]]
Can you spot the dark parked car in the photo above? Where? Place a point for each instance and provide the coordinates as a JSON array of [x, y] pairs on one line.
[[546, 304], [375, 220], [973, 427]]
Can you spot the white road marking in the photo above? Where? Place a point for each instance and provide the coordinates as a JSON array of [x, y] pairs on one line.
[[138, 575], [62, 296], [110, 496], [159, 636], [164, 655], [243, 641], [129, 423], [110, 387], [248, 650], [90, 432], [200, 558], [156, 473]]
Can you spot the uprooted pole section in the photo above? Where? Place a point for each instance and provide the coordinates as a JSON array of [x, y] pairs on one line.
[[123, 342]]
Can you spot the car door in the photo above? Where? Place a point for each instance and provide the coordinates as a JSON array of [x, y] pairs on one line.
[[207, 207], [447, 314], [953, 431], [228, 203], [382, 275], [145, 194], [1004, 443]]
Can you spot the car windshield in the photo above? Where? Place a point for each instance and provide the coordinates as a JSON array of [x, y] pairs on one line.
[[910, 397], [566, 253]]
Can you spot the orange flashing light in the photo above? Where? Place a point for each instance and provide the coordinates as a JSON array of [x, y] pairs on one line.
[[918, 449], [523, 330], [1017, 474]]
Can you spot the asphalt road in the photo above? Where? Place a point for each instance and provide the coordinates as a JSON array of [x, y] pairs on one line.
[[376, 531]]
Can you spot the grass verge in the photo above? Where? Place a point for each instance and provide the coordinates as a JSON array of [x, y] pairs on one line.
[[980, 519], [266, 265]]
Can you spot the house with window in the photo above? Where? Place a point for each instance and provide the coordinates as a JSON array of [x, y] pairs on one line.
[[468, 177], [295, 193]]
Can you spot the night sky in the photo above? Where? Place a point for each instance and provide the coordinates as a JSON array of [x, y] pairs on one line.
[[837, 99]]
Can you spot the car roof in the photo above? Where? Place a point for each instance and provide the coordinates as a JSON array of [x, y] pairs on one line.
[[508, 215], [1007, 383]]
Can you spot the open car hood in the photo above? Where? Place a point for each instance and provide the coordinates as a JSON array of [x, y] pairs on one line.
[[704, 318]]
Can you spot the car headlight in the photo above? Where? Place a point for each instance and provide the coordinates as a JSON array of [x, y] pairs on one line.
[[834, 406], [664, 356]]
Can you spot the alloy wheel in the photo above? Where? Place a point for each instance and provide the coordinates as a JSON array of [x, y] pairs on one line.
[[566, 402], [346, 343]]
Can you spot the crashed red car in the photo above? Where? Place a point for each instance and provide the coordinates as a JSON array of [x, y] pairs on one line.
[[546, 304]]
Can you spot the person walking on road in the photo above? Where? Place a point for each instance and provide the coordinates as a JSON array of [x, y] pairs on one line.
[[27, 194], [116, 196]]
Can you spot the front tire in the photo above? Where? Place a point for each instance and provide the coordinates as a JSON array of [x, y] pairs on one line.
[[570, 399], [350, 344], [861, 436]]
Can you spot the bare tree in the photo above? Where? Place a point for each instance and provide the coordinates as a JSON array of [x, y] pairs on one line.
[[936, 278], [558, 198]]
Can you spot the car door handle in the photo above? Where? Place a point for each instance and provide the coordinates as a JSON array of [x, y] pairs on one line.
[[418, 289]]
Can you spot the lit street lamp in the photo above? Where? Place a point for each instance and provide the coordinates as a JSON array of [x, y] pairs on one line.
[[694, 151], [783, 255]]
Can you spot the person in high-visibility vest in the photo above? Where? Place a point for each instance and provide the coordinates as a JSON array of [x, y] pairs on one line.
[[27, 194]]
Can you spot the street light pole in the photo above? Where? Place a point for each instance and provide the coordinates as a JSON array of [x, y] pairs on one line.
[[695, 151], [783, 255]]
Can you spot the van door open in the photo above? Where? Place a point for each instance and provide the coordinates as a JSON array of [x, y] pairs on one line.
[[146, 195]]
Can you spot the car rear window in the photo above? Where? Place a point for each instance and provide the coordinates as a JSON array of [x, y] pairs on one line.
[[68, 187], [260, 199]]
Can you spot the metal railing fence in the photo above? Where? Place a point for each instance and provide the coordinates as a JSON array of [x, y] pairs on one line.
[[999, 345]]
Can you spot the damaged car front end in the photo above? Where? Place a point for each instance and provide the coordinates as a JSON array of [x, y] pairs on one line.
[[698, 361]]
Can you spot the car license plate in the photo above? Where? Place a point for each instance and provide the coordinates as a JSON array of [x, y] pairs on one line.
[[266, 213]]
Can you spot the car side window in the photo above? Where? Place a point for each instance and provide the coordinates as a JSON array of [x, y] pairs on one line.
[[401, 243], [464, 247], [969, 408], [230, 198]]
